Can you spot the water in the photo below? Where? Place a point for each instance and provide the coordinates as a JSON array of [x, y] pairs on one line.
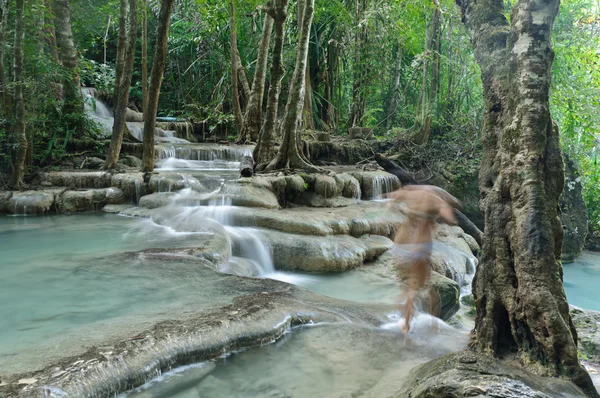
[[321, 361], [382, 185], [62, 275], [582, 279]]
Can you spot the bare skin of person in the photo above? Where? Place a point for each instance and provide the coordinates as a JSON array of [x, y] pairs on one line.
[[426, 204]]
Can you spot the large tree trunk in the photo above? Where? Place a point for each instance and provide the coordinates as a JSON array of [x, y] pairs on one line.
[[359, 87], [235, 94], [121, 46], [308, 119], [521, 305], [393, 105], [263, 153], [122, 89], [19, 123], [73, 100], [428, 97], [289, 155], [144, 55], [156, 75], [253, 118], [4, 97]]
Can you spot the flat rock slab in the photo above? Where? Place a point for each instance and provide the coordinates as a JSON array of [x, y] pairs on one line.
[[30, 202], [465, 374], [259, 311], [77, 179]]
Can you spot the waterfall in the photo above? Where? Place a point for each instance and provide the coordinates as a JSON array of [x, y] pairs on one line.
[[248, 243], [381, 185], [206, 153]]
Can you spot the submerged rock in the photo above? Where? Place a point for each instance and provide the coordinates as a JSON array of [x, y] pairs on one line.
[[466, 374]]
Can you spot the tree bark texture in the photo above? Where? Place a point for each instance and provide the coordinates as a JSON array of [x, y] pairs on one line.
[[361, 67], [19, 123], [121, 45], [122, 89], [3, 89], [263, 152], [518, 288], [393, 105], [289, 155], [431, 70], [73, 100], [144, 55], [235, 95], [253, 117], [308, 119], [156, 75]]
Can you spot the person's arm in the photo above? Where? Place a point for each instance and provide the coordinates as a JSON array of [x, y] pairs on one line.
[[447, 214]]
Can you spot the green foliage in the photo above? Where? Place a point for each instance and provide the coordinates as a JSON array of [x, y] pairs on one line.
[[94, 74], [575, 95]]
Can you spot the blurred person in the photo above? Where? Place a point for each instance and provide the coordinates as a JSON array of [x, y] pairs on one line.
[[413, 240]]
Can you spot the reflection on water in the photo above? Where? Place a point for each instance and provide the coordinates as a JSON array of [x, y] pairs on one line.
[[317, 361], [581, 280]]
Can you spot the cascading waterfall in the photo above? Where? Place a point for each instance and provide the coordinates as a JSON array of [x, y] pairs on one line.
[[205, 153], [382, 185]]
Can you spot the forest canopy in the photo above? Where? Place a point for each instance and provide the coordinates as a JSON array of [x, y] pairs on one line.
[[402, 68]]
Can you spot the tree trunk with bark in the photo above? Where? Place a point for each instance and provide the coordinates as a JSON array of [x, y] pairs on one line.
[[4, 97], [122, 88], [361, 72], [393, 105], [289, 155], [521, 305], [73, 100], [235, 95], [263, 152], [308, 119], [19, 123], [428, 97], [253, 118], [144, 55], [121, 46], [156, 75]]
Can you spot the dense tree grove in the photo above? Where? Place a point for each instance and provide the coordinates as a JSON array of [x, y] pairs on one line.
[[404, 69]]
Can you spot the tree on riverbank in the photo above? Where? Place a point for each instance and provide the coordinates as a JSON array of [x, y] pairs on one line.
[[290, 152], [19, 123], [156, 76], [521, 305], [125, 58], [73, 101]]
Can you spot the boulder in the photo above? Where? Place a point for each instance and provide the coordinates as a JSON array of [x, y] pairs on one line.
[[131, 184], [30, 202], [88, 200], [587, 324], [157, 199], [131, 161], [318, 254], [93, 163], [247, 194], [574, 215], [466, 374], [77, 179]]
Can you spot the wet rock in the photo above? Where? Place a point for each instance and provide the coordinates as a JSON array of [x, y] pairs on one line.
[[88, 200], [132, 185], [173, 183], [157, 199], [317, 254], [574, 214], [465, 374], [93, 163], [131, 161], [326, 186], [4, 197], [30, 202], [587, 324], [374, 183], [77, 179], [350, 185], [448, 291], [248, 194]]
